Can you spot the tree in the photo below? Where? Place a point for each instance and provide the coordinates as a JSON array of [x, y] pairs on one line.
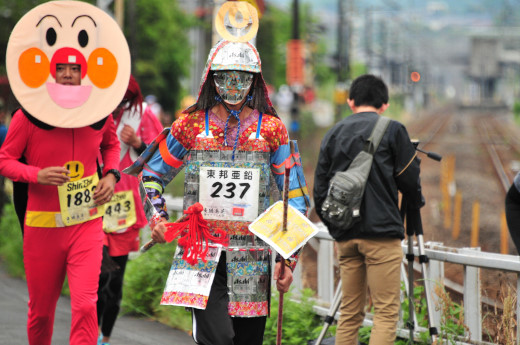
[[273, 33], [10, 13], [276, 29], [160, 48]]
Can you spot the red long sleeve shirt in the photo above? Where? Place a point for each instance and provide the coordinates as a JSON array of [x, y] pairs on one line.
[[54, 147]]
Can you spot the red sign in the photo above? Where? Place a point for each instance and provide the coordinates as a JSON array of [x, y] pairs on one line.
[[295, 62]]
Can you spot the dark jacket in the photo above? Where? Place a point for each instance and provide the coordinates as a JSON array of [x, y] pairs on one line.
[[513, 211], [395, 168]]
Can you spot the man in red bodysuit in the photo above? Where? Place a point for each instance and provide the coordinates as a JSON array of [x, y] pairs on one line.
[[59, 157], [68, 65]]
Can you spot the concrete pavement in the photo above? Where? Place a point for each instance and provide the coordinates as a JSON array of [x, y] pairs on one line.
[[127, 331]]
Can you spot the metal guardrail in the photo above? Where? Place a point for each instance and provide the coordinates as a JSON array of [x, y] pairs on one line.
[[472, 260]]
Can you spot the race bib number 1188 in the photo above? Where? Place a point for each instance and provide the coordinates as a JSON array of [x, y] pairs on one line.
[[77, 201]]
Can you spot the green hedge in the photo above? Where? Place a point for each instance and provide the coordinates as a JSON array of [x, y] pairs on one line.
[[11, 242]]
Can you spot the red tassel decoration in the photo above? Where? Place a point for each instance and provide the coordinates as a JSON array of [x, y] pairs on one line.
[[194, 234]]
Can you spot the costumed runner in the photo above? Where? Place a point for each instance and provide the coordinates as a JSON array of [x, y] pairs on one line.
[[233, 145], [124, 216], [68, 65]]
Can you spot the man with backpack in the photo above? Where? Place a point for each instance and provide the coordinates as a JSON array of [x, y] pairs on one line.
[[369, 250]]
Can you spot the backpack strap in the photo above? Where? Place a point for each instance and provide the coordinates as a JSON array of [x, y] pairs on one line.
[[377, 134]]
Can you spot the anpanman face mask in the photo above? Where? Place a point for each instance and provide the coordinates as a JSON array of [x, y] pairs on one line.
[[233, 86], [76, 33]]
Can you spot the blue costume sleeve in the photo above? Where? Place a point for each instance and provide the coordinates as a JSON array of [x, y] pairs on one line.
[[168, 156], [298, 195], [3, 133]]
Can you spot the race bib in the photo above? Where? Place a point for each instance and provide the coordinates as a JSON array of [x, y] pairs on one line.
[[77, 201], [229, 193], [119, 212], [189, 285]]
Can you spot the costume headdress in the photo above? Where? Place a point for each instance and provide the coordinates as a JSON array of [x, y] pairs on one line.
[[237, 23], [68, 32]]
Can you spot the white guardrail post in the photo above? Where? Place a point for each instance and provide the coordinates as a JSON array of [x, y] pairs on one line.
[[325, 267], [433, 277], [472, 298]]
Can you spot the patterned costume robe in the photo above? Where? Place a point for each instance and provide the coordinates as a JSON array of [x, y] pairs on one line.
[[262, 145]]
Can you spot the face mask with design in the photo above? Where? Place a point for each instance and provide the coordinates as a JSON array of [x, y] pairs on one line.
[[233, 86]]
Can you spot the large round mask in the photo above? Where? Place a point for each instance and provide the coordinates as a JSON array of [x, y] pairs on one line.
[[68, 32]]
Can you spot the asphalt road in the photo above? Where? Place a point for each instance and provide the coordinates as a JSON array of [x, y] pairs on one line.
[[127, 331]]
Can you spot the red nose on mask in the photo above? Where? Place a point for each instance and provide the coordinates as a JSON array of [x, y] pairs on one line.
[[68, 56]]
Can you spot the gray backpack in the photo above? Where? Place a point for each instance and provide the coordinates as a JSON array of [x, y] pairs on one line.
[[341, 207]]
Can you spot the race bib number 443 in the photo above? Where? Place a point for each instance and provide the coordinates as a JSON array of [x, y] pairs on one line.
[[119, 212], [77, 201], [229, 193]]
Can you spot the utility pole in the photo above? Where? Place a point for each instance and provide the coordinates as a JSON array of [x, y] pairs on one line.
[[132, 20], [368, 39], [119, 9], [296, 89], [119, 12], [342, 61], [340, 42], [383, 61], [296, 21]]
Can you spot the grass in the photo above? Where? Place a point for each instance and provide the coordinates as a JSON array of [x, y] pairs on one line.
[[144, 282], [300, 323], [502, 320], [11, 243]]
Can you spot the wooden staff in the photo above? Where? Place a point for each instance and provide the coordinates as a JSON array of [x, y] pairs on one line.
[[152, 243], [284, 229]]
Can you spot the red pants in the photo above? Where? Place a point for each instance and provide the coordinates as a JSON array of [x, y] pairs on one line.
[[49, 254]]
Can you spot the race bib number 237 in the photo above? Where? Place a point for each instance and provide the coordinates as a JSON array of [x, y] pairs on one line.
[[229, 193]]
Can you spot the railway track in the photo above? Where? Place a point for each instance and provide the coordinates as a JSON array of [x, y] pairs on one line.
[[483, 145]]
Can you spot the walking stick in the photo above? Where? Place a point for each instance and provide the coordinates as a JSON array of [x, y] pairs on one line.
[[284, 228]]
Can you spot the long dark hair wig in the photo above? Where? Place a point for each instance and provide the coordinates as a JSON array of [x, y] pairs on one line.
[[208, 96]]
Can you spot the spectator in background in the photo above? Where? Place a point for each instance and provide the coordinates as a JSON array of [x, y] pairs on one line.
[[155, 107], [3, 127], [3, 132], [369, 252], [513, 211], [164, 117], [136, 127], [284, 100]]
